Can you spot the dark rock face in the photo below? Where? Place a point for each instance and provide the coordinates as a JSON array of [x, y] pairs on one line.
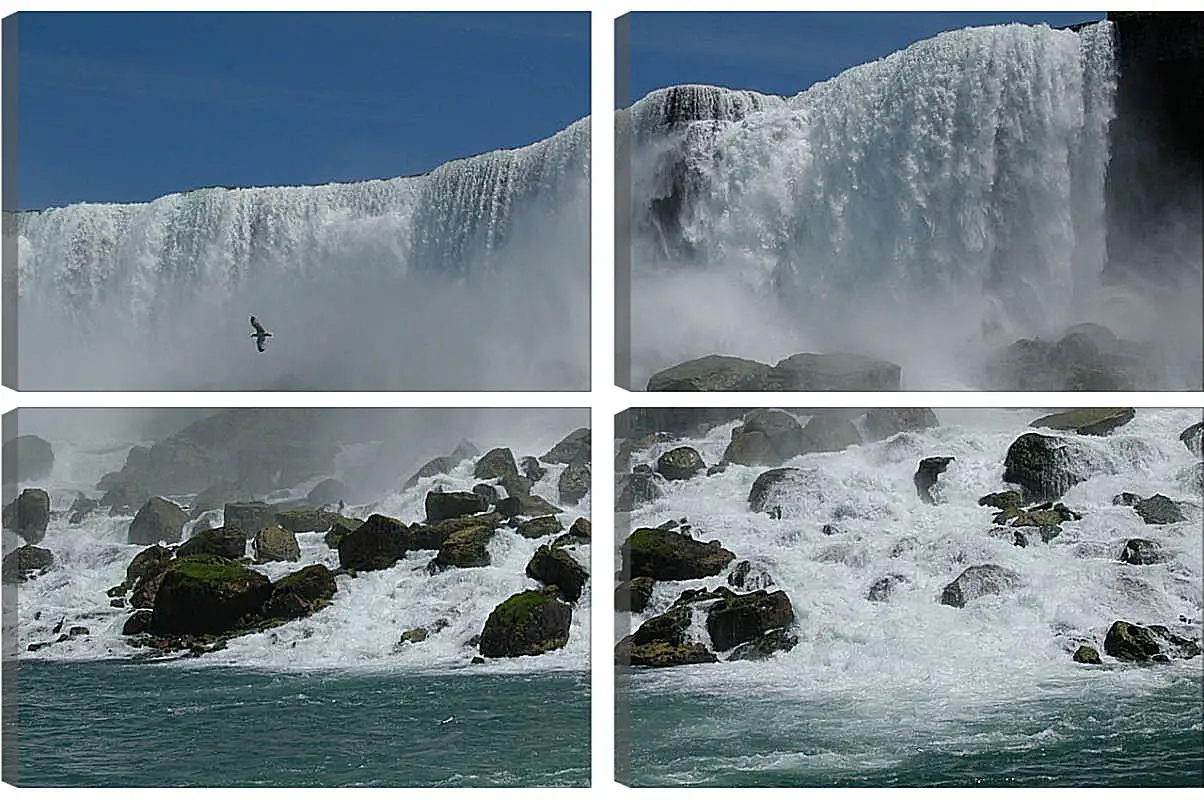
[[377, 544], [572, 449], [1129, 642], [881, 590], [539, 527], [883, 423], [123, 497], [712, 374], [764, 646], [680, 464], [489, 493], [497, 463], [301, 593], [449, 505], [835, 372], [28, 515], [740, 618], [668, 556], [661, 642], [633, 595], [651, 425], [1002, 500], [276, 544], [27, 458], [440, 465], [977, 582], [432, 537], [552, 566], [578, 533], [1085, 654], [25, 561], [338, 529], [526, 624], [1087, 421], [745, 576], [532, 505], [829, 432], [574, 483], [250, 518], [765, 483], [327, 492], [1142, 552], [157, 521], [1193, 439], [532, 470], [148, 562], [207, 594], [1088, 358], [81, 508], [636, 489], [467, 547], [926, 475], [1044, 466], [224, 542], [1159, 510], [305, 520], [768, 437]]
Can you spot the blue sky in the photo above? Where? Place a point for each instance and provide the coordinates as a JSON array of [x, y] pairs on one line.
[[785, 52], [129, 107]]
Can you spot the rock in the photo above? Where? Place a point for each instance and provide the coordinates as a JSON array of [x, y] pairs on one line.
[[304, 520], [276, 544], [883, 423], [225, 542], [136, 623], [78, 630], [578, 533], [432, 537], [1086, 358], [465, 548], [668, 556], [124, 497], [488, 493], [636, 489], [440, 465], [1193, 439], [680, 464], [250, 518], [926, 475], [26, 458], [977, 582], [532, 470], [574, 483], [207, 594], [881, 589], [1002, 500], [1142, 552], [24, 562], [712, 374], [1126, 499], [1191, 478], [529, 623], [572, 449], [301, 593], [1085, 654], [765, 483], [540, 527], [508, 507], [449, 505], [327, 492], [764, 646], [839, 372], [633, 595], [660, 654], [532, 505], [81, 508], [1045, 466], [157, 521], [497, 463], [339, 529], [215, 497], [146, 564], [555, 567], [829, 432], [768, 437], [1087, 421], [739, 618], [377, 544], [28, 515], [745, 576], [1129, 642], [829, 529], [651, 426], [1159, 510], [147, 588]]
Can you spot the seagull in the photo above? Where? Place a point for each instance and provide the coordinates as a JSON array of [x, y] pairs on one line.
[[260, 335]]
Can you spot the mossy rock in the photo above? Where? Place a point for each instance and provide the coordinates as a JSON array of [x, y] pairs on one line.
[[1086, 654], [661, 654], [1002, 500], [467, 547], [741, 618], [578, 533], [526, 624], [305, 520], [669, 556], [680, 464], [301, 593], [432, 536], [540, 527], [338, 529], [276, 544], [207, 594]]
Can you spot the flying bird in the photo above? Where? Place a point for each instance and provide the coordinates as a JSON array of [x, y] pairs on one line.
[[260, 335]]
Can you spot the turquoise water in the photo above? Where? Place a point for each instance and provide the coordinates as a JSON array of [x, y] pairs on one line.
[[691, 738], [123, 724]]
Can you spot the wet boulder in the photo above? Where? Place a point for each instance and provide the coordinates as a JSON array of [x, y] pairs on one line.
[[574, 483], [339, 528], [529, 623], [540, 527], [449, 505], [1086, 654], [136, 623], [81, 507], [377, 544], [1087, 421], [926, 476], [839, 372], [745, 575], [532, 470], [883, 423], [488, 492], [1127, 641], [250, 518], [765, 484], [27, 458], [669, 556], [432, 536], [497, 463], [25, 562], [327, 492], [304, 520], [440, 465], [578, 533], [467, 547], [572, 449], [764, 646], [28, 515], [1002, 500], [829, 432], [123, 497], [1193, 439], [979, 581], [532, 505], [662, 642], [633, 595], [712, 373], [1046, 466], [1142, 552], [301, 593], [636, 489], [225, 542], [739, 618], [767, 437], [882, 589], [207, 594], [680, 464], [157, 521], [146, 564], [1159, 510], [1086, 358], [553, 566], [276, 544]]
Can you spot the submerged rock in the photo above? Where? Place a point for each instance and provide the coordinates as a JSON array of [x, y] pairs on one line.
[[668, 556], [881, 589], [1087, 421], [529, 623], [764, 646], [745, 576], [157, 521], [1142, 552], [28, 515], [979, 581]]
